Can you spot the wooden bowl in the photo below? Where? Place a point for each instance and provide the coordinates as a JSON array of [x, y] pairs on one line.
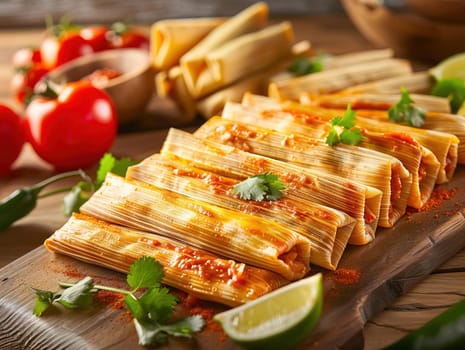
[[409, 33], [131, 91]]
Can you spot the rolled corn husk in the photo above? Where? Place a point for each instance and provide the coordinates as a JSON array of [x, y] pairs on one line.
[[417, 82], [334, 80], [197, 272], [240, 57], [229, 233], [172, 85], [193, 63], [359, 201], [445, 122], [443, 145], [328, 229], [256, 83], [419, 160], [172, 38], [377, 101], [363, 165]]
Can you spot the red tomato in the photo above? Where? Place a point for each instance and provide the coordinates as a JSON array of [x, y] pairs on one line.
[[96, 36], [73, 130], [25, 79], [123, 36], [26, 56], [56, 51], [12, 138]]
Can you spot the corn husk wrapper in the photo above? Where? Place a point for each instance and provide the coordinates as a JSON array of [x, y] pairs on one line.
[[197, 272], [359, 201], [327, 229], [229, 233], [172, 38], [363, 165], [334, 80]]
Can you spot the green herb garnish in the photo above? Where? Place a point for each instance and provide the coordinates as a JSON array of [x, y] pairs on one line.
[[306, 65], [343, 131], [151, 310], [405, 111], [453, 89], [82, 191], [260, 187]]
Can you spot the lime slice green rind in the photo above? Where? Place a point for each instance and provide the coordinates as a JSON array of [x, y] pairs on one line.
[[278, 320]]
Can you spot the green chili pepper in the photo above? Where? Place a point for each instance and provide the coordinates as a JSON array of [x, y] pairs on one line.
[[22, 201], [446, 331]]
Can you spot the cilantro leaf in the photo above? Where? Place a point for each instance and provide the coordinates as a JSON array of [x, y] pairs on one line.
[[260, 187], [343, 129], [405, 111], [306, 65], [185, 327], [453, 89], [79, 295], [109, 163], [145, 272], [150, 333], [158, 304], [44, 300]]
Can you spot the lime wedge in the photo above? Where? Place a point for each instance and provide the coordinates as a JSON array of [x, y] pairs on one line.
[[277, 320], [451, 67]]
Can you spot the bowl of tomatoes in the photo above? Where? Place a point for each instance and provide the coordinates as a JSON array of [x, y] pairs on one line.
[[125, 74]]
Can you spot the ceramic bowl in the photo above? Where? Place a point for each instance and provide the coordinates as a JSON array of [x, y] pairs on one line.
[[413, 32], [130, 91]]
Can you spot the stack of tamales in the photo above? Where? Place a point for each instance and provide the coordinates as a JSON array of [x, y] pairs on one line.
[[180, 206]]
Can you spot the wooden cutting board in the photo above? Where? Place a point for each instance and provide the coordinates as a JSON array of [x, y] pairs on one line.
[[389, 266]]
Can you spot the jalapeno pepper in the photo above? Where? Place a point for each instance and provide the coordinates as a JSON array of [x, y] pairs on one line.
[[445, 331], [22, 201]]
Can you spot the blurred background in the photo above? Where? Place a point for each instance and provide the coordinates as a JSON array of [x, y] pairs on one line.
[[21, 13]]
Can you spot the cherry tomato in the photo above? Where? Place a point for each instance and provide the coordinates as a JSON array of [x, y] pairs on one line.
[[74, 129], [26, 56], [24, 80], [123, 36], [12, 138], [96, 36], [58, 50]]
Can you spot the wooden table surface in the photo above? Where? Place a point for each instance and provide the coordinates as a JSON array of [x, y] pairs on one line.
[[333, 34]]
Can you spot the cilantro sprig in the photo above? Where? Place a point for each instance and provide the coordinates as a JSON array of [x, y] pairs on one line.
[[405, 111], [343, 129], [306, 65], [152, 310], [82, 191], [260, 187]]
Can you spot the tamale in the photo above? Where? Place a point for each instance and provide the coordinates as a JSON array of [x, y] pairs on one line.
[[445, 122], [328, 229], [363, 165], [419, 160], [232, 234], [240, 57], [172, 38], [443, 145], [417, 82], [194, 271], [249, 20], [337, 79], [376, 101], [359, 201]]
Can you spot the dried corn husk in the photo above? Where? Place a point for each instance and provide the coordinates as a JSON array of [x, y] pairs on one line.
[[197, 272], [337, 79], [363, 165], [328, 229], [229, 233], [193, 63], [357, 200], [172, 38]]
